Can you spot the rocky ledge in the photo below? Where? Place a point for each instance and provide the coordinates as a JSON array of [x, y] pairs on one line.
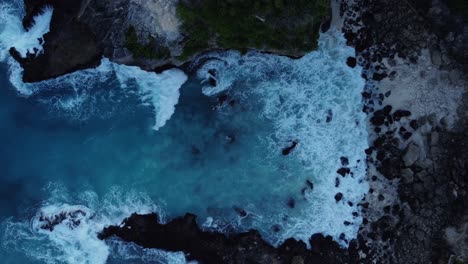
[[154, 34], [412, 53], [183, 234], [416, 100]]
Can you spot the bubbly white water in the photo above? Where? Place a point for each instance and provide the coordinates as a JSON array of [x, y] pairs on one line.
[[14, 35], [161, 91], [297, 96], [74, 238]]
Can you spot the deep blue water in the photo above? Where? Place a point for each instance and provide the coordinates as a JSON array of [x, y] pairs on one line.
[[88, 141]]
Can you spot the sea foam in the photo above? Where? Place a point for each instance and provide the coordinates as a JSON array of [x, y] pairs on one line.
[[160, 91], [316, 101], [14, 35], [64, 229]]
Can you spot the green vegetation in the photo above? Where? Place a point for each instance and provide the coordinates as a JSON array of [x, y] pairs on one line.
[[151, 50], [287, 26]]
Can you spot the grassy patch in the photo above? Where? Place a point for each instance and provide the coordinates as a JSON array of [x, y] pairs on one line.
[[151, 50], [289, 26]]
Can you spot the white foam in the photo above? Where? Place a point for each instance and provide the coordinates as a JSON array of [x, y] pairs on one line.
[[14, 35], [161, 90], [73, 238], [296, 96]]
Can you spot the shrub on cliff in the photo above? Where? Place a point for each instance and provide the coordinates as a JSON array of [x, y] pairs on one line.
[[289, 27]]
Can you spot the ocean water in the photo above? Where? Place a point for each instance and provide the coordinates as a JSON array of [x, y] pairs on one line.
[[99, 144]]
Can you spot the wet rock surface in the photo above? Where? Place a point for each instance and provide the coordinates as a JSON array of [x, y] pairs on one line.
[[69, 46], [183, 234], [419, 186], [417, 169]]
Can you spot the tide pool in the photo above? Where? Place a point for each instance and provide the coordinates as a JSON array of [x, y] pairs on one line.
[[116, 140]]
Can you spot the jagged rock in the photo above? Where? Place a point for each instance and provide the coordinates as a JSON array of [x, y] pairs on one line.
[[351, 61], [436, 58], [407, 175], [297, 260], [411, 155], [183, 234], [434, 138]]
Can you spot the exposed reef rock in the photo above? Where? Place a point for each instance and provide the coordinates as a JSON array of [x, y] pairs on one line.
[[416, 99], [413, 57], [69, 46], [183, 234]]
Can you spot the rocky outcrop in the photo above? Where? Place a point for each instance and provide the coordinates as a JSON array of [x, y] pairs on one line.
[[151, 34], [69, 46], [417, 171], [183, 234]]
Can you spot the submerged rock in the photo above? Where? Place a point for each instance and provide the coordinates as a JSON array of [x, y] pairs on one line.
[[286, 151]]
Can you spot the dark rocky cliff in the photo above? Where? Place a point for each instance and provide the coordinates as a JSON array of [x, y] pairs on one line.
[[152, 34], [69, 46]]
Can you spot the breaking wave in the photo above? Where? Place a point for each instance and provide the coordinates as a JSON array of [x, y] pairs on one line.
[[74, 91], [316, 102], [64, 229]]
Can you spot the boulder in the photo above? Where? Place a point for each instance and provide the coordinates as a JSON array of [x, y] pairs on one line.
[[411, 155], [407, 175]]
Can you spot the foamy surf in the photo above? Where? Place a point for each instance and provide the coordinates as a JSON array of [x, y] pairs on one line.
[[65, 227], [160, 91], [14, 35], [316, 101]]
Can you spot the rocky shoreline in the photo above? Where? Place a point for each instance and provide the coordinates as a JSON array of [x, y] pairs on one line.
[[154, 34], [416, 209]]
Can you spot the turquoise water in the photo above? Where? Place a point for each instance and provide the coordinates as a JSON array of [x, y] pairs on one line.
[[116, 140]]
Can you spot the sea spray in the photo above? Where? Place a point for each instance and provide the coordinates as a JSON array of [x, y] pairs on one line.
[[13, 34], [316, 102], [160, 90], [64, 228]]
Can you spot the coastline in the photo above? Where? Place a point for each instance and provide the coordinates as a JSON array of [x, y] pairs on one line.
[[413, 194]]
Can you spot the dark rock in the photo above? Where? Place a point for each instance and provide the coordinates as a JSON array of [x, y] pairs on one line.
[[338, 197], [276, 228], [366, 95], [380, 155], [241, 212], [329, 116], [286, 151], [387, 109], [414, 124], [291, 203], [344, 161], [195, 150], [69, 46], [377, 120], [183, 234], [401, 113], [343, 171], [407, 135], [379, 76], [351, 61], [368, 151], [310, 184], [380, 197], [212, 81]]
